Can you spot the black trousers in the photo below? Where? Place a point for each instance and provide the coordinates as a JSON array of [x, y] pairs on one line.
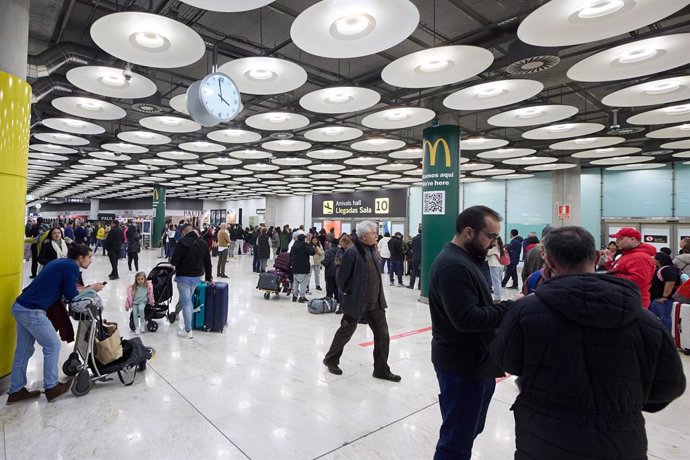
[[133, 256], [511, 273], [222, 260], [34, 259], [415, 272], [376, 318], [331, 287], [114, 256]]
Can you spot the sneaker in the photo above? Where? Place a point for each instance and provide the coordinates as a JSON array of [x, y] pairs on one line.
[[184, 334], [388, 376], [22, 395], [303, 299], [333, 368], [401, 285], [392, 283], [338, 311], [294, 298], [142, 329], [410, 287], [318, 288], [58, 390]]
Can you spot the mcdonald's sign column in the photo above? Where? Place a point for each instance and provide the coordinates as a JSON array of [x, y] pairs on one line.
[[158, 213], [440, 193]]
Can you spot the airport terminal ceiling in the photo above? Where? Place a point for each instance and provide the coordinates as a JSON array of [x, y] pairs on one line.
[[330, 112]]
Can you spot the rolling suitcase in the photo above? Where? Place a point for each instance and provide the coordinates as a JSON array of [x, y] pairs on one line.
[[216, 307], [269, 282], [199, 304], [680, 320]]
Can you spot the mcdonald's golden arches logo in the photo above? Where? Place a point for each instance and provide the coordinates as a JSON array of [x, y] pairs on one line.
[[431, 150]]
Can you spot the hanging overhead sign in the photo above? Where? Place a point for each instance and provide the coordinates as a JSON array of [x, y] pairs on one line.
[[384, 203]]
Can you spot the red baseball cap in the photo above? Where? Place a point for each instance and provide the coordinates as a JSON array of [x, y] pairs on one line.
[[627, 231]]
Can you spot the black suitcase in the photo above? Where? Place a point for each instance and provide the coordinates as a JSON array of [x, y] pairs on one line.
[[216, 307], [268, 282]]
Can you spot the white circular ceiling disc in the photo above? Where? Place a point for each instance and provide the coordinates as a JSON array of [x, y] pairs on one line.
[[170, 124], [122, 147], [493, 94], [333, 134], [365, 161], [481, 143], [563, 131], [493, 172], [504, 154], [534, 115], [397, 167], [340, 99], [112, 156], [551, 167], [329, 154], [226, 6], [264, 75], [671, 132], [513, 176], [635, 59], [440, 66], [636, 166], [250, 155], [587, 143], [529, 160], [148, 39], [277, 121], [474, 166], [378, 145], [87, 107], [144, 138], [71, 125], [606, 152], [52, 148], [179, 103], [665, 115], [111, 82], [612, 161], [47, 156], [61, 138], [651, 93], [286, 145], [685, 154], [572, 22], [407, 154], [398, 118], [223, 161], [353, 28], [291, 161], [177, 155], [234, 136], [202, 147], [684, 144]]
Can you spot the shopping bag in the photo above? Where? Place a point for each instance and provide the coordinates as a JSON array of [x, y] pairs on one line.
[[108, 345]]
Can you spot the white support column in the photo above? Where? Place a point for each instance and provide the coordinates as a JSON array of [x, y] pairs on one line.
[[565, 190]]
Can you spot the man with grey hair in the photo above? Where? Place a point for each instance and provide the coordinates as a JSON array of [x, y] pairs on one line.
[[360, 279]]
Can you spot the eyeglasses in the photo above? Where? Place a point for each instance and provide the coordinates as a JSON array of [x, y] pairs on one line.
[[492, 236]]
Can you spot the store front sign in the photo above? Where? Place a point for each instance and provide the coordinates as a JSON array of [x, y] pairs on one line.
[[384, 203]]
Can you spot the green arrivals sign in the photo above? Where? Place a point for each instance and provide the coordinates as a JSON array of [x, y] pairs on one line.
[[440, 193], [158, 213]]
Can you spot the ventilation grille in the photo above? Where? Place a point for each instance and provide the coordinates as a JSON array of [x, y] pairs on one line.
[[282, 136], [147, 107], [618, 130], [533, 64]]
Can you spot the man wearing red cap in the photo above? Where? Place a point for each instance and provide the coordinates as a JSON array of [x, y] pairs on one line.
[[637, 263]]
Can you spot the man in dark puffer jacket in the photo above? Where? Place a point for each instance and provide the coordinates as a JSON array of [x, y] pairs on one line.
[[590, 359]]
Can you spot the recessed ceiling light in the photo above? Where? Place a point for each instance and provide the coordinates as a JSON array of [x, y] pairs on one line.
[[150, 40], [561, 128], [599, 8], [277, 118], [75, 123], [435, 65], [636, 55], [587, 140], [490, 91], [661, 88], [678, 110], [397, 116], [169, 121], [529, 113], [352, 26], [261, 74]]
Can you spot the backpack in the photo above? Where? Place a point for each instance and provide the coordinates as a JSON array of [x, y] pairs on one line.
[[533, 281], [41, 238], [323, 305], [505, 257]]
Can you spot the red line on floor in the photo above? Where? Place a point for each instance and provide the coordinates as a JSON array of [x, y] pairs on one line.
[[399, 336]]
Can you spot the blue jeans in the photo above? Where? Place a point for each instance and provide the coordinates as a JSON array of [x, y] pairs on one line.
[[663, 311], [496, 281], [464, 403], [185, 287], [256, 262], [34, 326], [396, 268]]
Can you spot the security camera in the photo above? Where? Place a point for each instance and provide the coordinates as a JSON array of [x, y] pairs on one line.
[[127, 72]]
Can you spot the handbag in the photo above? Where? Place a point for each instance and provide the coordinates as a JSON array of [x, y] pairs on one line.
[[108, 344], [505, 257]]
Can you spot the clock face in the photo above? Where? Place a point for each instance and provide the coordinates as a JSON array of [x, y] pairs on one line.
[[220, 96]]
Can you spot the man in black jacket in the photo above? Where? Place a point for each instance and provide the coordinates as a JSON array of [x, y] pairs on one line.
[[35, 233], [301, 267], [464, 320], [191, 260], [395, 246], [113, 244], [514, 249], [416, 268], [590, 359], [359, 277]]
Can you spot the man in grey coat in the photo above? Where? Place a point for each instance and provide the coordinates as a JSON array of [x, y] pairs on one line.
[[360, 279]]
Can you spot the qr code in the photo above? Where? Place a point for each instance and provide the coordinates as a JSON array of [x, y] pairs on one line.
[[434, 202]]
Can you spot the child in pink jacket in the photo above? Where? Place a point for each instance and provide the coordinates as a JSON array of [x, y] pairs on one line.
[[139, 295]]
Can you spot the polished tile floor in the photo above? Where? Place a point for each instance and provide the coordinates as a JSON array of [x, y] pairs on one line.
[[260, 391]]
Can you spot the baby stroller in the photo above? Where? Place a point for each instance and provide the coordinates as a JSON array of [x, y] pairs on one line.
[[279, 279], [161, 277], [82, 362]]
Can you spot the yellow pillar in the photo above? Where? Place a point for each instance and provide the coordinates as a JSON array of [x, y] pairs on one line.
[[15, 119]]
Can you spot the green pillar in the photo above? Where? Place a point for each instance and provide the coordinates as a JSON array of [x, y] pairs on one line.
[[440, 193], [158, 214]]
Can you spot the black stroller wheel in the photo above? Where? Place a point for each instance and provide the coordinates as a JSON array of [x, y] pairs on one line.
[[172, 316], [152, 326], [82, 383], [71, 366], [142, 366], [267, 295]]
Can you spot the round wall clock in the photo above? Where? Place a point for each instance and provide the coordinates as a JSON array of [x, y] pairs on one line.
[[214, 99]]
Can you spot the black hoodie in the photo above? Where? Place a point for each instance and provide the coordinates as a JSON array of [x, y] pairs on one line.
[[590, 360], [192, 258]]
